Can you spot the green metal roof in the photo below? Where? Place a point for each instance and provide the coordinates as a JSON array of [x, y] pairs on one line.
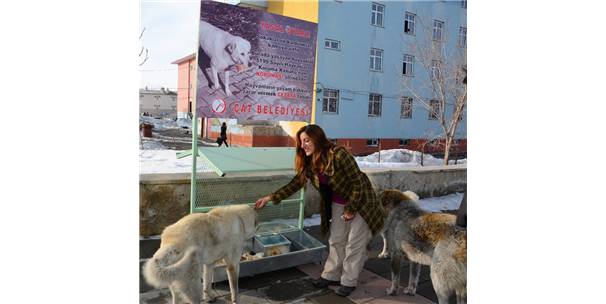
[[248, 159]]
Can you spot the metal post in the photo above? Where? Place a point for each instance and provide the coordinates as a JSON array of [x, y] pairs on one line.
[[194, 125], [194, 157], [301, 208]]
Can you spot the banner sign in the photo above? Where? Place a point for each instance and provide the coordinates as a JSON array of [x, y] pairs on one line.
[[253, 65]]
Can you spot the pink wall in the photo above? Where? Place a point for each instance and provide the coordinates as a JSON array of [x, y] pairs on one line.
[[186, 84]]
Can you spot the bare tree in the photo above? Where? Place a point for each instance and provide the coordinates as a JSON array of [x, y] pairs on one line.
[[143, 49], [430, 142], [437, 78]]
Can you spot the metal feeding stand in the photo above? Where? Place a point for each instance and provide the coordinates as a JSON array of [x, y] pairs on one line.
[[244, 175]]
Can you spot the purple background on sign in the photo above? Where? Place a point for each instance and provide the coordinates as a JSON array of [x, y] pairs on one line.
[[272, 55]]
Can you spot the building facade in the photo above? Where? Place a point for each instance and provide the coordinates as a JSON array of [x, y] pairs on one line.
[[366, 50], [185, 85], [158, 103]]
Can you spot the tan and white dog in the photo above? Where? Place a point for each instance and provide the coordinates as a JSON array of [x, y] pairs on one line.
[[224, 50], [425, 238], [193, 244]]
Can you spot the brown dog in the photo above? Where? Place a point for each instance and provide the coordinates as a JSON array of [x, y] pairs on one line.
[[426, 239]]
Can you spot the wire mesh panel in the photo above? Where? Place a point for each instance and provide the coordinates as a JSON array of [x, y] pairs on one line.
[[242, 176], [214, 192]]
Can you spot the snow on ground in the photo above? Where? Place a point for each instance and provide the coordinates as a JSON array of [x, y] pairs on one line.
[[151, 145], [157, 160], [167, 123], [165, 161], [400, 158], [442, 203]]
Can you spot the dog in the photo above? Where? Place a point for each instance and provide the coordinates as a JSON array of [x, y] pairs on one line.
[[388, 205], [225, 51], [192, 246], [426, 239]]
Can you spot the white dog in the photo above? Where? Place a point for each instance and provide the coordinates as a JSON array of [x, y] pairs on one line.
[[224, 50], [195, 243]]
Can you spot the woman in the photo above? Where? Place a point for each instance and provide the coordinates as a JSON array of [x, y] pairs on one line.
[[349, 205]]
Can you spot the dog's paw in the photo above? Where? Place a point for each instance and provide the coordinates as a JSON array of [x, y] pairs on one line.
[[383, 255], [214, 86], [392, 291], [410, 291], [228, 92]]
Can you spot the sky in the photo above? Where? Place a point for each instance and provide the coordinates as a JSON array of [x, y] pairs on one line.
[[170, 33]]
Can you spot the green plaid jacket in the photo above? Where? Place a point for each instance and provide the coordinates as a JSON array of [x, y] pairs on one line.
[[345, 179]]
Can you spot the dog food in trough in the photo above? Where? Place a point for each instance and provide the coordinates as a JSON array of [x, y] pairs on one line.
[[271, 245]]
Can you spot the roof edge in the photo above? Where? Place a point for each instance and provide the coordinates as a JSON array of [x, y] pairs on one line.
[[186, 58]]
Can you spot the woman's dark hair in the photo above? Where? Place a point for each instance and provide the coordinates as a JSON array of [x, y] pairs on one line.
[[322, 147]]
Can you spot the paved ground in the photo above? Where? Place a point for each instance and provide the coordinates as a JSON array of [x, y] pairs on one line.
[[293, 285]]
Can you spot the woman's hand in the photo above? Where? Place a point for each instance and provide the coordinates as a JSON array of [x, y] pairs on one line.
[[260, 203], [347, 216]]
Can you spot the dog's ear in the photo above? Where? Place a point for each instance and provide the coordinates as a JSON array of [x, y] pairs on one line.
[[230, 47]]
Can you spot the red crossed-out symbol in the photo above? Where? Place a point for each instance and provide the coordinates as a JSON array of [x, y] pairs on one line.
[[218, 106]]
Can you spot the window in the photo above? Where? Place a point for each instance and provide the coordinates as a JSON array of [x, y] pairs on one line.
[[438, 26], [435, 69], [330, 101], [377, 14], [404, 142], [463, 37], [372, 142], [374, 104], [376, 59], [409, 23], [464, 4], [140, 95], [406, 108], [332, 44], [407, 67], [434, 109]]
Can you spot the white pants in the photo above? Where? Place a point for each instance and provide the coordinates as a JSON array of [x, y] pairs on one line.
[[347, 248]]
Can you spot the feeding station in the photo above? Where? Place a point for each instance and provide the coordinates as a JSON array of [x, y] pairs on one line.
[[272, 79]]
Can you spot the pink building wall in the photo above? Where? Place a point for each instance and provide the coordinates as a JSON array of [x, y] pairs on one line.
[[186, 84]]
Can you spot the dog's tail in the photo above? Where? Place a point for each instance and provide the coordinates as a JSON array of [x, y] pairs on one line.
[[393, 197], [411, 196], [160, 275]]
